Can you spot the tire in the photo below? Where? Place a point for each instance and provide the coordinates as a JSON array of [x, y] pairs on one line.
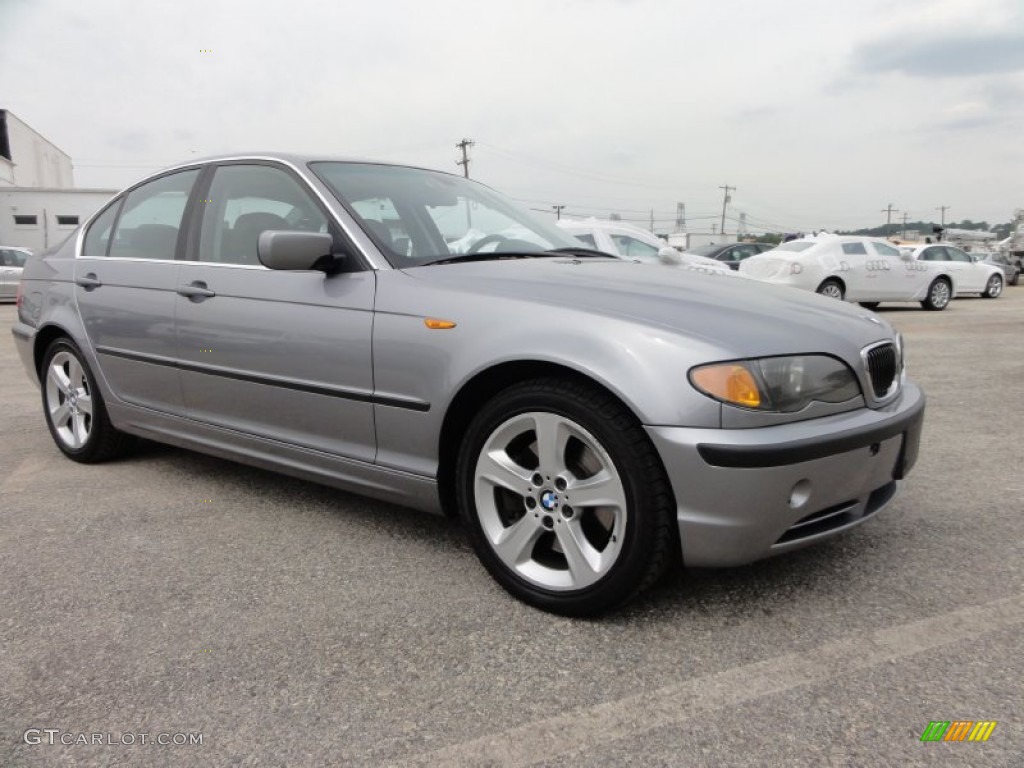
[[524, 514], [74, 408], [832, 288], [870, 304], [1016, 278], [993, 287], [940, 293]]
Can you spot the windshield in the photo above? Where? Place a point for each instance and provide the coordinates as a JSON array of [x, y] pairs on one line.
[[417, 216]]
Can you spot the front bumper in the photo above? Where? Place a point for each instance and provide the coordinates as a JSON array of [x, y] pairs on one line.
[[746, 494]]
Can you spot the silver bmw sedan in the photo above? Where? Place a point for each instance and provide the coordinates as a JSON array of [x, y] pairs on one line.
[[414, 336]]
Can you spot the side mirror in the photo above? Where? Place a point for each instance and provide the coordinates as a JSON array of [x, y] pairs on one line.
[[294, 251], [669, 255], [907, 255]]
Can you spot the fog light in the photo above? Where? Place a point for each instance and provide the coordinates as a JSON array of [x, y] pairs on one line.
[[800, 494]]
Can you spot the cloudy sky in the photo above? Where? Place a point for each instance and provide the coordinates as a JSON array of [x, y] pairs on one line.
[[820, 113]]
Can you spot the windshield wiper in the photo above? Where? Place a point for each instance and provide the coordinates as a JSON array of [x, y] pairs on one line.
[[498, 255], [590, 253], [489, 256]]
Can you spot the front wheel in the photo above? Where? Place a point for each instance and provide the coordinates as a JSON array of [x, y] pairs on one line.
[[74, 407], [565, 498], [832, 288], [939, 294], [994, 287]]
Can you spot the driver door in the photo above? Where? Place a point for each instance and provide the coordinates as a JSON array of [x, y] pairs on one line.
[[281, 355]]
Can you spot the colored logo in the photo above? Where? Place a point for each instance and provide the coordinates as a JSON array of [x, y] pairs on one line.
[[958, 730]]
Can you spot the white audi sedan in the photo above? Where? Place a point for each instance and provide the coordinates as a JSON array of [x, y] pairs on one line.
[[968, 275], [863, 269]]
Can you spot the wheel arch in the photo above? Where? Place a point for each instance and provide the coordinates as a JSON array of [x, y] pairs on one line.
[[478, 390], [45, 336], [832, 278]]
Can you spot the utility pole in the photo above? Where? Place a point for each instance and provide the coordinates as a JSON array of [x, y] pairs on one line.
[[652, 220], [889, 211], [464, 145], [903, 234], [725, 201], [558, 210], [943, 208]]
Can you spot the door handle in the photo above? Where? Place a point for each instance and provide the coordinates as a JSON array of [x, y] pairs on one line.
[[89, 281], [196, 291]]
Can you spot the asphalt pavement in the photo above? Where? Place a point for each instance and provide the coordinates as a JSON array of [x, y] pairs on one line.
[[252, 619]]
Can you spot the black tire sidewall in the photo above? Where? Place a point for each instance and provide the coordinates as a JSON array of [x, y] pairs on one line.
[[639, 537]]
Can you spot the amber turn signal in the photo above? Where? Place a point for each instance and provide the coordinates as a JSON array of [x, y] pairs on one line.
[[436, 324], [730, 382]]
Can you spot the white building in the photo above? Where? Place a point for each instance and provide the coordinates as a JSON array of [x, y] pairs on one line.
[[39, 204]]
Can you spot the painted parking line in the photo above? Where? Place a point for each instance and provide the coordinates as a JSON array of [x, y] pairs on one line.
[[590, 727]]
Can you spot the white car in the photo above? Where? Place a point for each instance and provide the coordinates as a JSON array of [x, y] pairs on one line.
[[863, 269], [968, 275], [629, 242], [11, 261]]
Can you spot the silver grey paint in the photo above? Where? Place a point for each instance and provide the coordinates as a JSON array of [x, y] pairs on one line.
[[634, 328]]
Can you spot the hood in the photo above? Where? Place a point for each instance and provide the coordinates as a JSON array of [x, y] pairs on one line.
[[746, 316]]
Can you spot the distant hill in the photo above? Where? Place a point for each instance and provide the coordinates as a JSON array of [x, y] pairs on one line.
[[925, 228]]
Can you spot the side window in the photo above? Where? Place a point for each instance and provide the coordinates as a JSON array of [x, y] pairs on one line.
[[151, 218], [632, 248], [585, 238], [855, 249], [246, 200], [97, 239], [884, 249], [933, 254], [955, 254]]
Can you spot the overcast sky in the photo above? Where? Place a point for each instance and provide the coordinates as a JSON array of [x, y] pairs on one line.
[[820, 113]]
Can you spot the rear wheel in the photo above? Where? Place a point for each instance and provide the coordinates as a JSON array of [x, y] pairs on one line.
[[565, 499], [1016, 277], [994, 287], [74, 408], [832, 288], [870, 304], [939, 294]]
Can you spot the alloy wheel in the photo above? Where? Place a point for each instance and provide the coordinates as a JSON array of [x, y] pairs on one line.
[[550, 501], [68, 400]]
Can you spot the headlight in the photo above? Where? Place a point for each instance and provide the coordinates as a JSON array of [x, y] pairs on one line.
[[778, 384], [795, 268]]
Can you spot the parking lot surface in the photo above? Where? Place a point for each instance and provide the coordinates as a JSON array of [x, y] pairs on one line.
[[171, 594]]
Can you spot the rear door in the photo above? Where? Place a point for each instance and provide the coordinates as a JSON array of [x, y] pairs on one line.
[[275, 354], [125, 280], [974, 275], [863, 274], [905, 279]]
